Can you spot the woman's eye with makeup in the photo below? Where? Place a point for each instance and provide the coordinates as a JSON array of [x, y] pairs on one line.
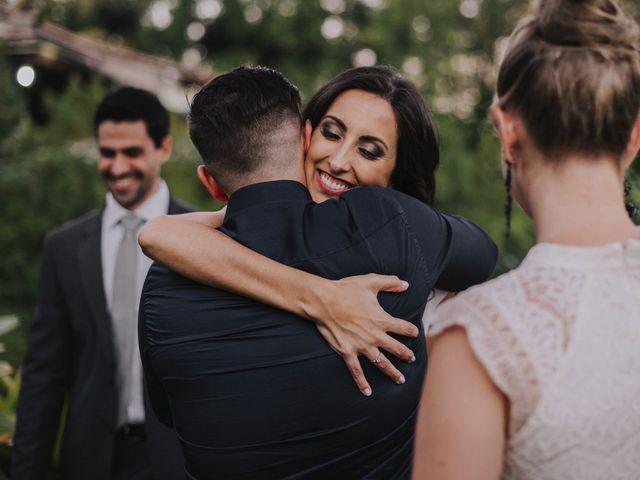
[[372, 153], [330, 131]]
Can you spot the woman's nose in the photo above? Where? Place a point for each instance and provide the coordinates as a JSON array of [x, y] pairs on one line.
[[339, 162]]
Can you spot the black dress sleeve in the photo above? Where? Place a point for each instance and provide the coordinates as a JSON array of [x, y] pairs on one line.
[[458, 253], [470, 256]]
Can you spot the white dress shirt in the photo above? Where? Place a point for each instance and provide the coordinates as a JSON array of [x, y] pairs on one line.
[[154, 206]]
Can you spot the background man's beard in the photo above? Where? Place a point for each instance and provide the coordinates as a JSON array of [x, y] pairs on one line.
[[128, 203], [124, 200]]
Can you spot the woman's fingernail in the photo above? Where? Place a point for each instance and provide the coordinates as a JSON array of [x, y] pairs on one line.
[[401, 379], [412, 359], [367, 392], [404, 284]]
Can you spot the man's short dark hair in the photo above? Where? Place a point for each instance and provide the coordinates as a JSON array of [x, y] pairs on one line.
[[128, 104], [236, 119]]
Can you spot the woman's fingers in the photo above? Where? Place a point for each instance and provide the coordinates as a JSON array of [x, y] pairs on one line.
[[397, 349], [349, 355], [385, 366], [353, 364], [380, 361], [353, 323], [401, 327]]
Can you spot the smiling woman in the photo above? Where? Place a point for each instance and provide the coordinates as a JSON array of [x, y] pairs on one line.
[[381, 133], [355, 144]]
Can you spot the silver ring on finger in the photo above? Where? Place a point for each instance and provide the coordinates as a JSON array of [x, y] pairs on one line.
[[377, 360]]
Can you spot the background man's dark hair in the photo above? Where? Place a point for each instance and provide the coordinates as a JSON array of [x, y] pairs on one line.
[[242, 121], [128, 104]]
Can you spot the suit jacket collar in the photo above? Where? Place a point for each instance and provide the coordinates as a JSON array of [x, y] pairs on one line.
[[90, 265]]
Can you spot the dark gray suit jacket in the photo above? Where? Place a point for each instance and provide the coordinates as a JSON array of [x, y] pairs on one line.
[[70, 355]]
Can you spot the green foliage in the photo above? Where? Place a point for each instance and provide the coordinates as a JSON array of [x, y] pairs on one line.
[[9, 389], [44, 181], [10, 385], [47, 174]]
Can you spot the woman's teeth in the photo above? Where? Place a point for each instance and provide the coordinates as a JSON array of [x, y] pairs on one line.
[[333, 183]]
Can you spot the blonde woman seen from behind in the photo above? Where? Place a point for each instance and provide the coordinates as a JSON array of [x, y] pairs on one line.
[[535, 375]]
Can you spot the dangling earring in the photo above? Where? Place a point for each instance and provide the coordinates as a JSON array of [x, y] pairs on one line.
[[632, 208], [507, 202]]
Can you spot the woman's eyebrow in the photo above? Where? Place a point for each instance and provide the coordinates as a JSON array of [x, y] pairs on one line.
[[338, 121], [366, 138]]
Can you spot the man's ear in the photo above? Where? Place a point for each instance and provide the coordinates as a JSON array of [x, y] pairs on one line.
[[165, 148], [307, 131], [212, 186]]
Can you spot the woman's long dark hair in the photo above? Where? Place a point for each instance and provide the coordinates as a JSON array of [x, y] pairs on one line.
[[418, 151]]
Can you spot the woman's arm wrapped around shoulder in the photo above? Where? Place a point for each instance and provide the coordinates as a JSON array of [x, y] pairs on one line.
[[345, 311]]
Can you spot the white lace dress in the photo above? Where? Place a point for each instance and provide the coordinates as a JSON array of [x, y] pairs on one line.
[[560, 337]]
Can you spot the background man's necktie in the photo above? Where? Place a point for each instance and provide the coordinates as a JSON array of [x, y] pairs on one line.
[[124, 317]]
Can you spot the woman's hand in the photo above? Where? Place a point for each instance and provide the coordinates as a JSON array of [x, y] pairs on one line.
[[351, 320]]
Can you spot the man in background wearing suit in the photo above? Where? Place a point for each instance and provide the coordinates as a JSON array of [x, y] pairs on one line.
[[82, 343]]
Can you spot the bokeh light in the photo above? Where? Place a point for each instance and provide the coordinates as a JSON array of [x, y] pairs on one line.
[[25, 76], [335, 7], [160, 14], [208, 9], [253, 13], [195, 31], [374, 4], [332, 27], [287, 8], [413, 66], [365, 58], [470, 8]]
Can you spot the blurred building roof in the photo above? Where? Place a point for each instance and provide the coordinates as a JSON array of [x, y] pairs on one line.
[[50, 45]]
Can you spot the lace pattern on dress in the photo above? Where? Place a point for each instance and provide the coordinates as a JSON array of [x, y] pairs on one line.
[[560, 337], [498, 347]]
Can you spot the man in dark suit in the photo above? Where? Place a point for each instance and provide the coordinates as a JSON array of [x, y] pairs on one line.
[[82, 343], [255, 392]]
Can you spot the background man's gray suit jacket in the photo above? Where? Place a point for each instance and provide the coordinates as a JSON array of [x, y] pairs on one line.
[[71, 354]]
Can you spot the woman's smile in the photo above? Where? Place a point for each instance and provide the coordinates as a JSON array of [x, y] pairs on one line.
[[331, 185]]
